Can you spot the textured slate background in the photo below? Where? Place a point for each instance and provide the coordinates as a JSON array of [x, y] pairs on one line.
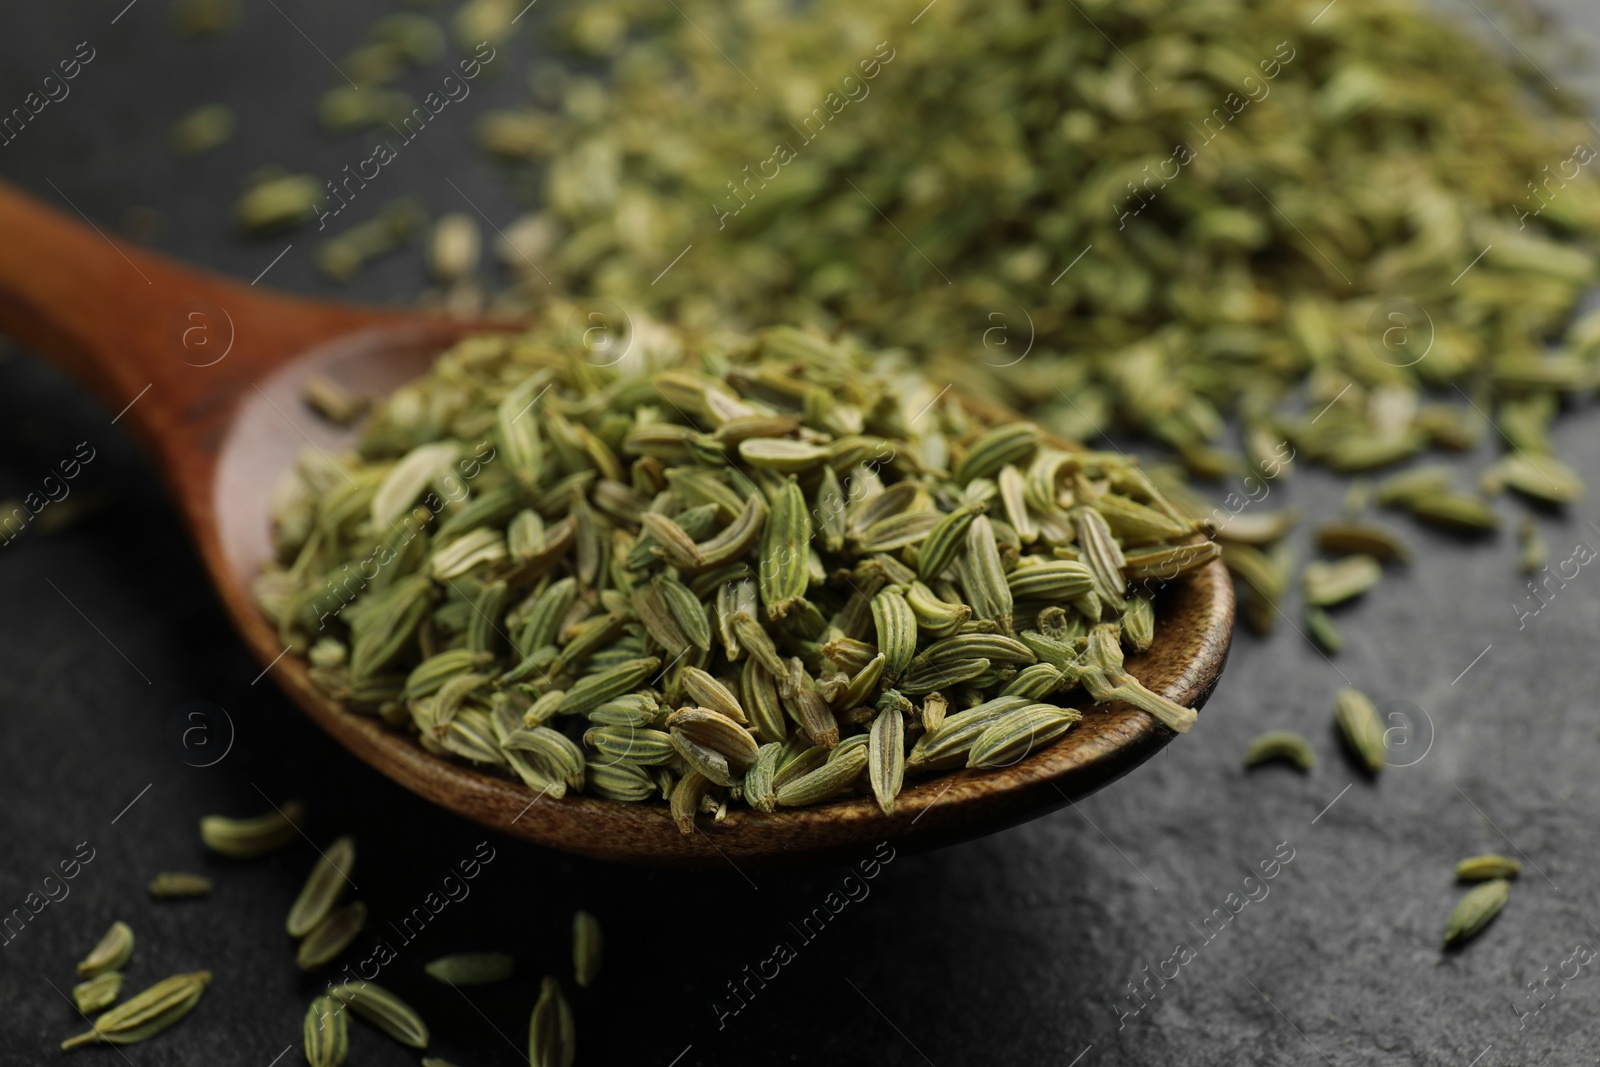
[[1014, 949]]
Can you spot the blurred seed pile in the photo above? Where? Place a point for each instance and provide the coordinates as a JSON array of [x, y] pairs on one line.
[[1351, 228], [1331, 166]]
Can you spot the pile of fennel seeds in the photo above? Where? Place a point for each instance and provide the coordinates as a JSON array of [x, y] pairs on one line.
[[1339, 162], [1372, 247], [772, 571]]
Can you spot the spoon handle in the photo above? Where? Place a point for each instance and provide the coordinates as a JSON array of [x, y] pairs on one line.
[[169, 347]]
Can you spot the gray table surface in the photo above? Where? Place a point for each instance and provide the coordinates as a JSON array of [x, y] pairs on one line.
[[1017, 948]]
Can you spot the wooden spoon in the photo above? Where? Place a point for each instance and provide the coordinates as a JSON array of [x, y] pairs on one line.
[[208, 373]]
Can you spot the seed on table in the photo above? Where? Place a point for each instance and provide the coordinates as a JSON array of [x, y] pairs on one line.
[[145, 1014], [1475, 909], [588, 948], [1487, 866], [249, 838], [471, 968], [178, 885], [110, 953], [1280, 745]]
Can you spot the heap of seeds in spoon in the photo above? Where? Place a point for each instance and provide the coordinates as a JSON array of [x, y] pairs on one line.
[[770, 570]]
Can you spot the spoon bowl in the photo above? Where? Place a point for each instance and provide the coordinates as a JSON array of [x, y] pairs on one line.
[[209, 373]]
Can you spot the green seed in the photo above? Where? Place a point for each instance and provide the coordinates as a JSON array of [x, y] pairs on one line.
[[249, 838], [1051, 582], [930, 676], [1362, 538], [1166, 563], [110, 953], [207, 127], [760, 792], [956, 733], [1334, 583], [1264, 583], [345, 109], [145, 1014], [177, 885], [1138, 623], [1473, 912], [552, 1038], [415, 37], [1487, 866], [896, 627], [783, 551], [588, 948], [551, 750], [737, 537], [471, 968], [1012, 443], [384, 1010], [1102, 556], [826, 781], [1321, 628], [621, 781], [1534, 552], [1362, 728], [687, 796], [333, 401], [1403, 489], [984, 575], [596, 689], [1280, 745], [98, 993], [648, 748], [807, 707], [936, 617], [326, 1033], [324, 886], [278, 204], [1542, 477], [1456, 512], [331, 936], [944, 541], [996, 648], [777, 454], [887, 757], [205, 18], [1259, 528], [1105, 679], [1020, 734], [716, 732]]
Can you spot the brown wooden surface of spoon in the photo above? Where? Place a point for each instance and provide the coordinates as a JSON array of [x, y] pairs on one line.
[[208, 372]]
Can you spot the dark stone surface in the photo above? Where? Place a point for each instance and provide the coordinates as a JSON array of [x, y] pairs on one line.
[[1013, 949]]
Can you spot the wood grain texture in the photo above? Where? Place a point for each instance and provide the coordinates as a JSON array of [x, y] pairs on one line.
[[181, 346], [222, 427]]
